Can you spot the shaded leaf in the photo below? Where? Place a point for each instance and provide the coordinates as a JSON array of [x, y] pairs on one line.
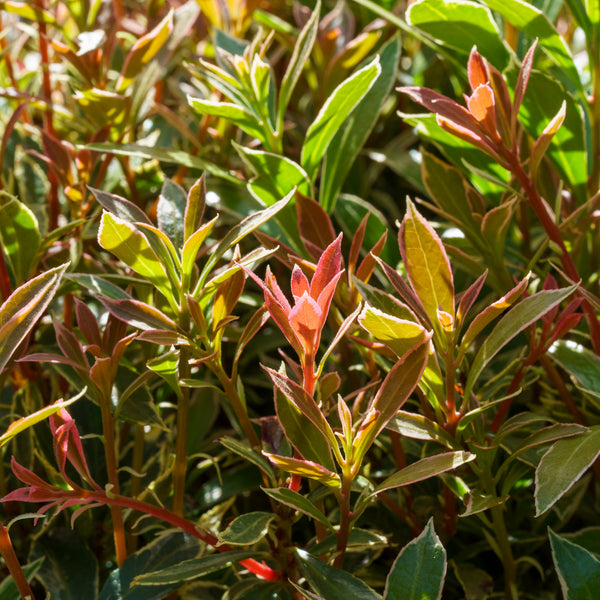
[[298, 502], [247, 529]]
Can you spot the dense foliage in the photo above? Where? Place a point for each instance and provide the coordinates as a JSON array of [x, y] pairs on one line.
[[300, 299]]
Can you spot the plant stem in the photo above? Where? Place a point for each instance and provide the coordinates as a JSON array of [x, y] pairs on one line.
[[113, 479], [345, 520], [508, 560], [14, 567], [183, 409]]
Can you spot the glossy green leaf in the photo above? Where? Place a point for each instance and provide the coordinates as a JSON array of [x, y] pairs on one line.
[[170, 211], [144, 50], [419, 570], [192, 246], [19, 236], [582, 365], [534, 23], [244, 450], [70, 569], [418, 427], [24, 423], [104, 106], [98, 286], [237, 233], [359, 541], [23, 308], [300, 55], [578, 570], [166, 155], [131, 246], [121, 207], [425, 468], [460, 24], [518, 318], [400, 335], [331, 583], [167, 366], [193, 568], [563, 465], [426, 264], [297, 502], [238, 115], [164, 552], [343, 100], [354, 132], [247, 529]]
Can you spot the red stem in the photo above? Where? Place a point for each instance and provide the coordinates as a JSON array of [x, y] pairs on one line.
[[252, 565], [12, 562]]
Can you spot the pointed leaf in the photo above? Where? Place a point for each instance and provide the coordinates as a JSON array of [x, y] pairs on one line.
[[23, 308], [582, 365], [331, 583], [305, 468], [518, 318], [120, 207], [247, 529], [578, 570], [298, 502], [418, 427], [139, 314], [426, 264], [333, 113], [170, 211], [562, 466], [419, 570]]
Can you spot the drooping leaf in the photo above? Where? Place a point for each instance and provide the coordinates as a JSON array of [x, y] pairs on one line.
[[23, 308], [418, 427], [331, 583], [298, 502], [578, 570], [121, 207], [419, 570], [247, 529], [582, 365], [8, 588], [139, 314], [343, 100], [562, 466], [170, 211]]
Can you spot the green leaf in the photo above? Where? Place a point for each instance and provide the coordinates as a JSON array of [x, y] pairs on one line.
[[578, 570], [343, 100], [139, 314], [301, 53], [298, 502], [400, 335], [563, 465], [24, 423], [237, 233], [192, 246], [354, 132], [418, 427], [20, 238], [98, 286], [244, 450], [164, 552], [582, 365], [247, 529], [534, 23], [193, 568], [460, 24], [170, 211], [167, 366], [120, 207], [419, 570], [518, 318], [28, 11], [423, 469], [238, 115], [427, 265], [22, 309], [167, 155], [70, 569], [331, 583], [132, 247]]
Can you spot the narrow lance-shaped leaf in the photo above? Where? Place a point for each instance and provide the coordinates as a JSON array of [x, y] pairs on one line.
[[23, 308], [419, 570], [297, 502], [336, 109], [426, 264], [518, 318]]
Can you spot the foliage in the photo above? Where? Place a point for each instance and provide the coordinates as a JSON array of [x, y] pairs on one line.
[[299, 299]]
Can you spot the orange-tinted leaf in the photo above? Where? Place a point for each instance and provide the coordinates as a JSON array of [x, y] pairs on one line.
[[305, 468]]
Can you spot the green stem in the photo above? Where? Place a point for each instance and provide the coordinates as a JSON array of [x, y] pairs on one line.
[[345, 520], [113, 479], [508, 560], [594, 180], [14, 567], [183, 409]]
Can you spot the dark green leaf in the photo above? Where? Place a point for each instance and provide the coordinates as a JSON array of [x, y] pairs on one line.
[[247, 529], [582, 364], [298, 502], [8, 588], [419, 570]]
